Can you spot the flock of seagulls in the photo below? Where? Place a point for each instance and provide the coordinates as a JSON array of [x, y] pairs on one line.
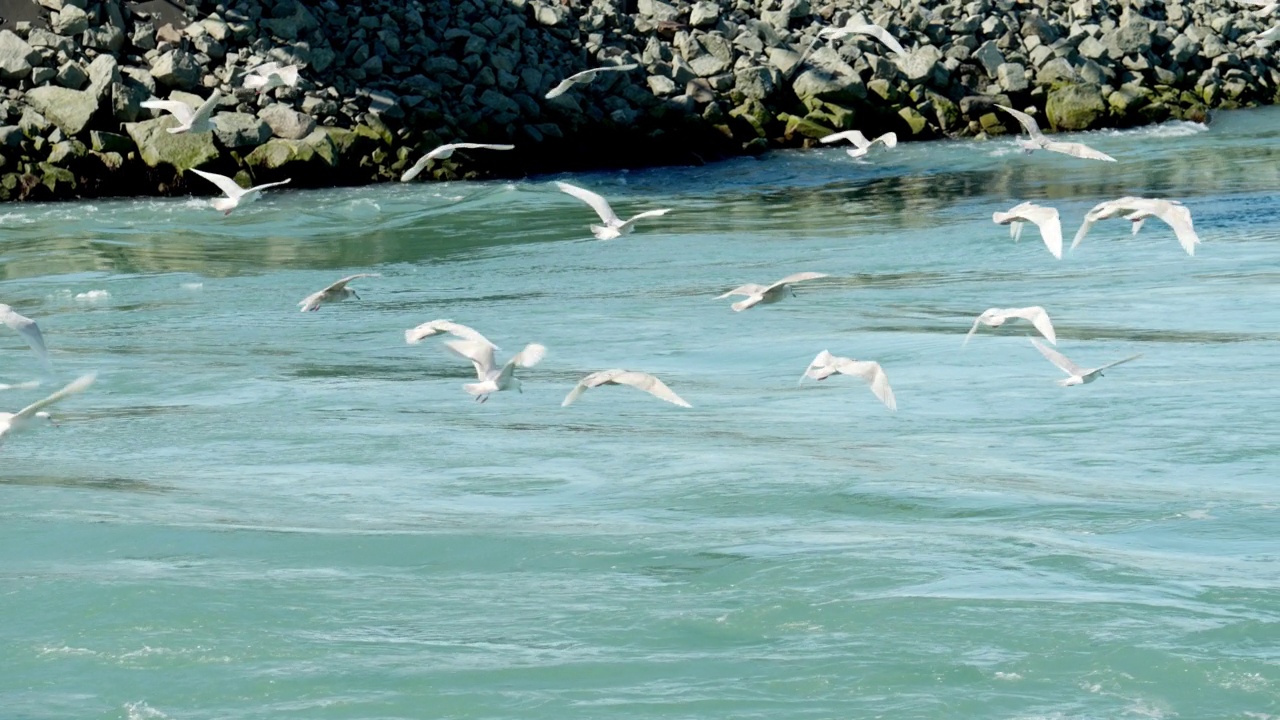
[[471, 345]]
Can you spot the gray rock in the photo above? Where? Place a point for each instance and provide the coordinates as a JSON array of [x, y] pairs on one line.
[[704, 14], [1131, 38], [287, 123], [784, 60], [182, 151], [39, 37], [1075, 107], [71, 76], [70, 20], [756, 83], [176, 68], [11, 137], [1012, 77], [103, 71], [238, 130], [42, 75], [657, 10], [924, 64], [1183, 49], [1057, 70], [990, 57], [33, 123], [108, 38], [661, 85], [16, 57], [1092, 48], [69, 109], [828, 87], [293, 26], [127, 97], [109, 142]]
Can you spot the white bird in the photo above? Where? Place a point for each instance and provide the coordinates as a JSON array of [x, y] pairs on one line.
[[493, 379], [28, 329], [1267, 37], [853, 27], [1137, 210], [336, 292], [1265, 7], [191, 120], [271, 75], [585, 77], [613, 226], [444, 152], [1077, 375], [995, 317], [1038, 141], [860, 141], [825, 365], [235, 195], [10, 422], [1045, 218], [757, 294], [639, 380], [29, 385], [416, 335]]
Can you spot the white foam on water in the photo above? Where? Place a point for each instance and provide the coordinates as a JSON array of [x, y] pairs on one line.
[[93, 296]]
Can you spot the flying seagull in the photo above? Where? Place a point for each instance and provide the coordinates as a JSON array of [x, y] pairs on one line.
[[860, 141], [444, 152], [10, 422], [995, 317], [492, 379], [28, 329], [825, 365], [1037, 140], [639, 380], [336, 292], [235, 195], [416, 335], [853, 27], [757, 294], [1045, 218], [1078, 375], [585, 77], [1137, 210], [189, 120], [613, 226], [271, 75], [1266, 38]]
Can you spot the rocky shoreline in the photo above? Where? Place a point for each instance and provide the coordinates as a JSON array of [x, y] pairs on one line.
[[382, 82]]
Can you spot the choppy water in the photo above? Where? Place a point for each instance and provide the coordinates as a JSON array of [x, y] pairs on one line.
[[259, 513]]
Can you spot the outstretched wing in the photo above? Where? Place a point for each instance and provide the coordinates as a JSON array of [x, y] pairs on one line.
[[595, 379], [289, 74], [205, 111], [28, 329], [854, 136], [482, 146], [264, 186], [1049, 222], [1079, 150], [417, 168], [890, 139], [480, 354], [78, 385], [563, 86], [748, 289], [1120, 362], [597, 203], [1039, 318], [531, 355], [650, 384], [646, 214], [435, 327], [178, 109], [1178, 217], [798, 277], [977, 321], [224, 183], [874, 375], [343, 282], [1028, 123], [822, 366], [1058, 359]]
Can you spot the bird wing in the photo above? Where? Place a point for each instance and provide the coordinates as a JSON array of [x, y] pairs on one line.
[[977, 321], [1119, 362], [480, 354], [1028, 122], [646, 214], [650, 384], [1049, 222], [264, 186], [205, 111], [178, 109], [822, 361], [1058, 359], [343, 282], [873, 374], [878, 33], [1038, 317], [595, 379], [434, 327], [417, 168], [1079, 150], [563, 87], [224, 183], [1178, 217], [597, 203], [265, 69], [798, 277], [854, 136], [483, 146], [531, 355], [78, 385], [253, 82], [27, 328], [311, 301], [890, 139], [748, 289], [289, 74]]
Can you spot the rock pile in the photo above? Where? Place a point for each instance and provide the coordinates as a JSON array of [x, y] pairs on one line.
[[385, 80]]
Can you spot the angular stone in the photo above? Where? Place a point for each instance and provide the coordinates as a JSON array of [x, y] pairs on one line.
[[70, 20], [708, 65], [657, 10], [661, 85], [783, 59], [1092, 48], [69, 109], [821, 85], [990, 57], [287, 123], [182, 151], [704, 14], [103, 71], [316, 150], [71, 76], [1132, 38], [754, 83], [924, 65], [16, 57], [176, 68], [105, 142], [1012, 77], [1056, 71], [237, 130], [1075, 107], [42, 75], [914, 120], [804, 127]]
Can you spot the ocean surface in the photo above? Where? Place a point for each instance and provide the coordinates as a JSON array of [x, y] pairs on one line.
[[262, 513]]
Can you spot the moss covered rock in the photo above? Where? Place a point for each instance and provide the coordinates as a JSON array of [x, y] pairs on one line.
[[1075, 107], [182, 151]]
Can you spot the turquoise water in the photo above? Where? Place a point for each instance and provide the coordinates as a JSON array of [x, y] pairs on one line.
[[261, 513]]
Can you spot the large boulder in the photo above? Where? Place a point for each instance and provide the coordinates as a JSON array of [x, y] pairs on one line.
[[237, 130], [287, 123], [16, 57], [1075, 107], [176, 68], [182, 151], [315, 151], [69, 109]]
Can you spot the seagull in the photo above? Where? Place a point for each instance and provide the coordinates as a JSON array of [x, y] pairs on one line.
[[194, 121], [825, 365], [336, 292], [852, 27], [757, 294], [1267, 37], [995, 317], [1037, 140], [435, 327], [28, 329], [271, 75], [29, 385], [1078, 375], [492, 379], [444, 152], [1265, 7], [639, 380], [1137, 210], [1045, 218], [235, 195], [585, 77], [860, 141], [613, 226], [15, 421]]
